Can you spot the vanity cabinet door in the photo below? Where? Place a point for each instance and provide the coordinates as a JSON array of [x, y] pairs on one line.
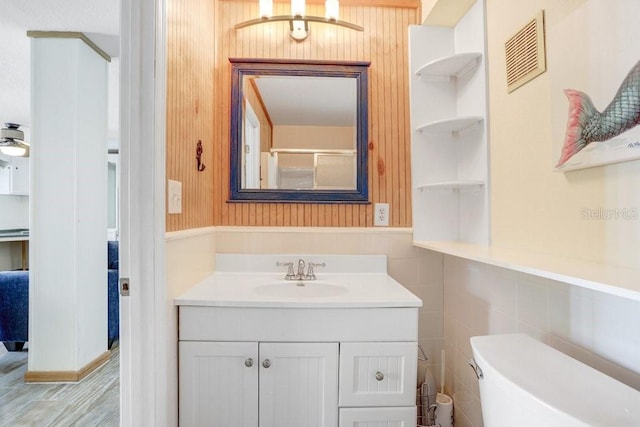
[[378, 373], [298, 384], [218, 384]]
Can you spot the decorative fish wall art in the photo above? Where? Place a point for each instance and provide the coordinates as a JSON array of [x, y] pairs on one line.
[[587, 125]]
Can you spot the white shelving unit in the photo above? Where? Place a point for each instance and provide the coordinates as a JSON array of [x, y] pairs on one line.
[[451, 66], [449, 142], [452, 126], [452, 185]]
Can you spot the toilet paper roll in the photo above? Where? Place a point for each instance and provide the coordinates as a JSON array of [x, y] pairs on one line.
[[444, 410]]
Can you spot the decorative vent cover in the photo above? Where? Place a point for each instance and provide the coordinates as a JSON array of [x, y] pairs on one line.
[[525, 53]]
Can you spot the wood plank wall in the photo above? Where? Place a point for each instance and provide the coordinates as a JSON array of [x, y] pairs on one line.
[[384, 42], [190, 108]]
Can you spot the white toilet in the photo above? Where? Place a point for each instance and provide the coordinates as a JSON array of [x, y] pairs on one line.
[[524, 382]]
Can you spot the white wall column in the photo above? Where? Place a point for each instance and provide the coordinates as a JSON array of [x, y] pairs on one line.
[[68, 210]]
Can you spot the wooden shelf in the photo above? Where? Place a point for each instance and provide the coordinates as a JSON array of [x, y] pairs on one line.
[[452, 185], [458, 124], [453, 66], [619, 281]]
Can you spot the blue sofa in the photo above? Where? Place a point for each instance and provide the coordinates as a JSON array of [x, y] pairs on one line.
[[113, 297], [14, 309], [14, 304]]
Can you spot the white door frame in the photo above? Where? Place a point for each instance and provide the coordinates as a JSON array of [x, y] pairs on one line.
[[251, 149], [143, 352]]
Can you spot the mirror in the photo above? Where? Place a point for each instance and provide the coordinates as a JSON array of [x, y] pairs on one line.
[[299, 131]]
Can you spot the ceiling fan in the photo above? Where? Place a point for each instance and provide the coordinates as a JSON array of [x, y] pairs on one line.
[[12, 141]]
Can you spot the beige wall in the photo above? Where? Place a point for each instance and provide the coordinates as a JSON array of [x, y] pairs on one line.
[[315, 137], [536, 209], [531, 206]]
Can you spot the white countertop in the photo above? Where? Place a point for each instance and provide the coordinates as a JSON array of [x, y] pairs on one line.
[[257, 280], [225, 289]]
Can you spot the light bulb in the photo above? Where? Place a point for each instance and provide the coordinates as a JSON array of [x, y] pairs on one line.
[[332, 10], [297, 7], [266, 8], [13, 150]]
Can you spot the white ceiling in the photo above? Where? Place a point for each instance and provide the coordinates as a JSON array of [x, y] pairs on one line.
[[309, 101], [98, 19]]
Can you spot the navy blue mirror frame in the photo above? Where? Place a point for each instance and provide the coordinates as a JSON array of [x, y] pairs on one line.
[[241, 67]]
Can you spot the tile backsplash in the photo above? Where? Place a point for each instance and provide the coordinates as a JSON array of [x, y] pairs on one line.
[[598, 329]]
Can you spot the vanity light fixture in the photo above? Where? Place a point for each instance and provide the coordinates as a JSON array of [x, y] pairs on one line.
[[298, 20], [12, 141]]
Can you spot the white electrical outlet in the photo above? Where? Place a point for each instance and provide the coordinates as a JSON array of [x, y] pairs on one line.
[[381, 214], [174, 197]]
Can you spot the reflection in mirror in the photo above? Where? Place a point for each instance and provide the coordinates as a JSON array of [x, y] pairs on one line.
[[299, 131], [302, 140]]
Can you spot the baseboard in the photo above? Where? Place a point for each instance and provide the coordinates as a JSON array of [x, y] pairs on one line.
[[66, 376]]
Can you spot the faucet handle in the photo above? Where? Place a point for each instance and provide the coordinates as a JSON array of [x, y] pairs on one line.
[[310, 273], [284, 263], [290, 274]]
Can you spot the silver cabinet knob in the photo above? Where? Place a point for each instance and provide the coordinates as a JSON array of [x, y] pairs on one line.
[[379, 376], [248, 363], [266, 363]]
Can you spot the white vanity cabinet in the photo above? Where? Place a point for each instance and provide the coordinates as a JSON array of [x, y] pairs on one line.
[[265, 384], [256, 350], [297, 367]]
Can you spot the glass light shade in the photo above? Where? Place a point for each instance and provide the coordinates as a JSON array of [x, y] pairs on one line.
[[266, 8], [13, 150], [297, 7], [332, 10]]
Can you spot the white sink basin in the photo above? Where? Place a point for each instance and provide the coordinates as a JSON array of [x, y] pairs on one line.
[[305, 289]]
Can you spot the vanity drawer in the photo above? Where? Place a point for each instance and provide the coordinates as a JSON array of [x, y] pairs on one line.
[[398, 417], [378, 373]]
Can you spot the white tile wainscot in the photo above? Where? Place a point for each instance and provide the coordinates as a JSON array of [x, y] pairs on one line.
[[256, 349]]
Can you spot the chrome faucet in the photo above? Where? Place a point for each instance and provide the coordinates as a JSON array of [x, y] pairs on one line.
[[300, 275]]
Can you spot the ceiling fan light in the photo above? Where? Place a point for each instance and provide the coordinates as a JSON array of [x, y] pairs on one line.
[[16, 150], [11, 141]]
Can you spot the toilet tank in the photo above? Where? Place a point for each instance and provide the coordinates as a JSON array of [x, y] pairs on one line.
[[527, 383]]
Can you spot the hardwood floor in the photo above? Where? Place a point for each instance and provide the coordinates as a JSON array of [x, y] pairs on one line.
[[95, 401]]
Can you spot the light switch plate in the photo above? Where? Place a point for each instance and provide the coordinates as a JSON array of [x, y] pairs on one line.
[[174, 197], [381, 214]]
